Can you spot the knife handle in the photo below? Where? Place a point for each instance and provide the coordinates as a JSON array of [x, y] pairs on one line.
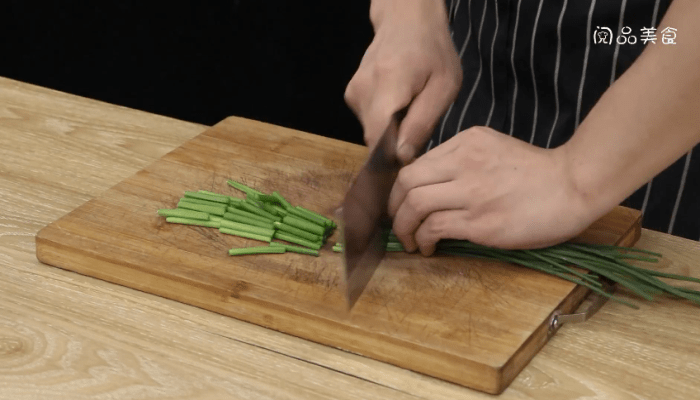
[[396, 120]]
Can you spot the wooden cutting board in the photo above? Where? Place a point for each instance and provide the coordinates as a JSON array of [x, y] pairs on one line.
[[473, 322]]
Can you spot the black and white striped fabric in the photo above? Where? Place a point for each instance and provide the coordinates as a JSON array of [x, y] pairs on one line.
[[532, 69]]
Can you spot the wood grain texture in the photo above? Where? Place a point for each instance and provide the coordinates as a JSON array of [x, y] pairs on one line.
[[468, 321], [68, 336]]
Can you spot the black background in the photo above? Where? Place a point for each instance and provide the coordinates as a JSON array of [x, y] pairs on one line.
[[281, 62]]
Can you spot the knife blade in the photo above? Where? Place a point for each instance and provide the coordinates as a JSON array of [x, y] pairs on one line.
[[365, 213]]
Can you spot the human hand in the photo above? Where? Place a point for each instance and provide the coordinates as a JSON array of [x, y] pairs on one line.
[[411, 60], [490, 189]]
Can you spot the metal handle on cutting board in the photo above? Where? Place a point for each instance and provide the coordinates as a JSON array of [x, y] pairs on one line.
[[586, 310]]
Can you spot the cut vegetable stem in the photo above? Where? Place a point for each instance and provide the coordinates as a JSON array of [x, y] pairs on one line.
[[297, 232], [256, 250], [248, 221], [216, 210], [183, 213], [247, 235], [196, 222], [303, 224], [287, 237], [237, 226], [296, 249]]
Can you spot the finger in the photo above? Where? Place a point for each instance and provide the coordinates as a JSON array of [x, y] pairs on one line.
[[447, 224], [422, 172], [441, 150], [390, 95], [358, 90], [423, 115], [418, 205]]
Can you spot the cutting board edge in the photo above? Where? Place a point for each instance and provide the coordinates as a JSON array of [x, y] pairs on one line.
[[447, 367], [511, 369], [45, 246], [217, 301]]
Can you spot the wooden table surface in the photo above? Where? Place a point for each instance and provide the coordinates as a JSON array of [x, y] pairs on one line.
[[66, 336]]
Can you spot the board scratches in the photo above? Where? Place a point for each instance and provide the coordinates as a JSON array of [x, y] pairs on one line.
[[471, 322]]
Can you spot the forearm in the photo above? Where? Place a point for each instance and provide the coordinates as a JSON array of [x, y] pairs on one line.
[[648, 118]]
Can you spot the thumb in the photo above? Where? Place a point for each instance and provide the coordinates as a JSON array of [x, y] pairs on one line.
[[422, 116]]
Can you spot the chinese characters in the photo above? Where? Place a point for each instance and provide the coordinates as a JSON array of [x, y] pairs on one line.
[[604, 35]]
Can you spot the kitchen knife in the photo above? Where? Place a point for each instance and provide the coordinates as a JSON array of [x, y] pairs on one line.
[[365, 213]]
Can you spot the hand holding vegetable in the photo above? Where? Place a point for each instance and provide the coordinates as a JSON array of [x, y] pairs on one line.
[[490, 189], [411, 60]]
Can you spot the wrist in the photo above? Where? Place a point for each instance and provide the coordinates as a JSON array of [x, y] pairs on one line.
[[585, 203], [414, 11]]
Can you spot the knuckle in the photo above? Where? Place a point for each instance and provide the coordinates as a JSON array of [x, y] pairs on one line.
[[474, 136], [402, 178], [401, 232], [452, 78], [384, 66], [415, 203], [434, 227], [350, 93], [354, 89], [400, 229]]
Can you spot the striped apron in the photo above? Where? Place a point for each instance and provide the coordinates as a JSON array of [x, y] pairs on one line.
[[533, 69]]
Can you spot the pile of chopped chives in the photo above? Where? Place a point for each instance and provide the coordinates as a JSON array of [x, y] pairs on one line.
[[567, 260], [266, 217], [258, 216]]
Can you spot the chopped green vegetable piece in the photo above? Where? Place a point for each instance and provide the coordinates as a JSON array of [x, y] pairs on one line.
[[247, 214], [303, 224], [253, 199], [280, 211], [179, 212], [237, 226], [296, 240], [315, 216], [244, 188], [272, 210], [248, 221], [209, 197], [248, 206], [197, 222], [200, 201], [297, 232], [394, 247], [338, 249], [282, 200], [211, 193], [248, 235], [215, 218], [268, 198], [306, 217], [257, 250], [231, 199], [216, 210], [296, 249]]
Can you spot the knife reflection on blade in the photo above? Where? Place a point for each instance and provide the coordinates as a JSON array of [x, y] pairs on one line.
[[365, 213]]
